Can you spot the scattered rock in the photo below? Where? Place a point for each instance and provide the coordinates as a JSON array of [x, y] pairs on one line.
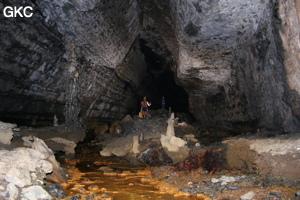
[[224, 180], [232, 188], [35, 193], [297, 195], [190, 138], [55, 190], [274, 194], [247, 196], [154, 157], [109, 172]]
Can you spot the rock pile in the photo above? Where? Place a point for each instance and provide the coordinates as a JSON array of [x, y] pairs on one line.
[[23, 170], [150, 141]]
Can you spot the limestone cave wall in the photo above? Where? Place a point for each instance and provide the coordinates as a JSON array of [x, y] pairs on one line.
[[234, 64], [31, 66]]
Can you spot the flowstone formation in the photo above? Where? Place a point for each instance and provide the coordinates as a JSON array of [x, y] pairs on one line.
[[72, 107]]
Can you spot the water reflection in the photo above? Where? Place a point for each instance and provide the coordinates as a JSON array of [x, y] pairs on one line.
[[117, 180]]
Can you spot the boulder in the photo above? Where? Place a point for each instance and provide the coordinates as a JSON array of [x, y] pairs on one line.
[[35, 192], [6, 133], [62, 144], [12, 191], [126, 119], [190, 138], [115, 127], [100, 129], [154, 157], [277, 156]]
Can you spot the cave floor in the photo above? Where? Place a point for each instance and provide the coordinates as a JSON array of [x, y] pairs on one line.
[[95, 177], [92, 176]]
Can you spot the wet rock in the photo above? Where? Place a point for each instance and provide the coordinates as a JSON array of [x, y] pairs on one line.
[[224, 180], [109, 172], [35, 193], [105, 168], [297, 195], [93, 187], [76, 197], [274, 194], [232, 188], [55, 190], [247, 196], [105, 196], [154, 157]]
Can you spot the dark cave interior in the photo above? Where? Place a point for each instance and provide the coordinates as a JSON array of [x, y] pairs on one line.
[[163, 80]]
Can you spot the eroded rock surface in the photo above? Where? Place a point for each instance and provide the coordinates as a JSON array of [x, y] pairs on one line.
[[277, 156]]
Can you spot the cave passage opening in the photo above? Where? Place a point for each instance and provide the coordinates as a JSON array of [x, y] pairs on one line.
[[160, 79]]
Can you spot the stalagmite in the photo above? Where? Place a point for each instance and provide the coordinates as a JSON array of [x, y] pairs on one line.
[[135, 144], [170, 141]]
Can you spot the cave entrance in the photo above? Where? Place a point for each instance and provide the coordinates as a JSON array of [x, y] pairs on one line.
[[160, 81]]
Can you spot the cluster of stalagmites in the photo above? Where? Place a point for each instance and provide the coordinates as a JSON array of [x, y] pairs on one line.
[[148, 137], [23, 169]]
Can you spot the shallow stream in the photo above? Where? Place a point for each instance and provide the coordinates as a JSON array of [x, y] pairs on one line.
[[117, 180]]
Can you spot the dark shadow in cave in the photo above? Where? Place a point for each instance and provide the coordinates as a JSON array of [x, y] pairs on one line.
[[162, 80]]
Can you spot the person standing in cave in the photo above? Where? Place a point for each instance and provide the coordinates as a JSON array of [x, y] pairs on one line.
[[163, 103], [145, 105]]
